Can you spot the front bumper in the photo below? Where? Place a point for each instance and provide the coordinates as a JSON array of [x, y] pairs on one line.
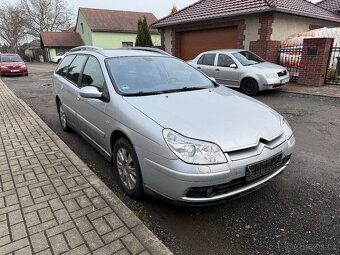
[[162, 177], [275, 83], [9, 72]]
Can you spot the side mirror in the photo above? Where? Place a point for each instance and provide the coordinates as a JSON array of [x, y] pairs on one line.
[[213, 79], [233, 66], [90, 92]]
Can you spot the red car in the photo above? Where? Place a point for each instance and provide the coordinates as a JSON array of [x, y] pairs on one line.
[[12, 64]]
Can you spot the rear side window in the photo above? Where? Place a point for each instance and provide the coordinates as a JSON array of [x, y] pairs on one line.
[[92, 74], [75, 68], [63, 66], [207, 59], [224, 60]]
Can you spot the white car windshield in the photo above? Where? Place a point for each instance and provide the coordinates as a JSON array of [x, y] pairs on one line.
[[155, 75], [247, 58]]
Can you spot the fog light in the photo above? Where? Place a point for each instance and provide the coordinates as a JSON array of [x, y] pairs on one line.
[[210, 192]]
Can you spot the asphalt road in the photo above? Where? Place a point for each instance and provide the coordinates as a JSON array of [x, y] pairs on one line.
[[297, 213]]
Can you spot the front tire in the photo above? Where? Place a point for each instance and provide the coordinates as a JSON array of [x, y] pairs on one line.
[[126, 165], [249, 87], [62, 117]]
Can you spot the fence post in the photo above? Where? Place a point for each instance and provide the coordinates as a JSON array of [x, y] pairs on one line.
[[314, 61]]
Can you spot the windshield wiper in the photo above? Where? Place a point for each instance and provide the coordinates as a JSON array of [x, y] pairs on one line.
[[182, 89], [143, 93]]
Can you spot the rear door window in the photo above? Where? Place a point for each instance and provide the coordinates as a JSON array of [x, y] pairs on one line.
[[224, 60], [75, 68], [93, 75], [207, 59], [64, 64]]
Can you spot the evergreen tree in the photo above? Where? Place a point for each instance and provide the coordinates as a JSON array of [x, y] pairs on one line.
[[173, 9], [143, 34]]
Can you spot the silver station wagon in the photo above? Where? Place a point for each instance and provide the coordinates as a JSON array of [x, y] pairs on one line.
[[168, 129], [241, 69]]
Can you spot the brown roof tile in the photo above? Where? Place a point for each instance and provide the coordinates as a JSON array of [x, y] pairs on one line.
[[61, 39], [101, 20], [214, 9], [332, 5]]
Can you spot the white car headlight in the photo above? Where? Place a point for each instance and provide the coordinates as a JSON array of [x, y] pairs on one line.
[[4, 67], [286, 128], [272, 75], [193, 151]]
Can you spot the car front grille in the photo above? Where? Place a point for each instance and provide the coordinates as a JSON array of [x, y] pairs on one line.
[[257, 170], [283, 73]]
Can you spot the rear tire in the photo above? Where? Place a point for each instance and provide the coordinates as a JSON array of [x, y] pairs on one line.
[[249, 87], [63, 118], [126, 165]]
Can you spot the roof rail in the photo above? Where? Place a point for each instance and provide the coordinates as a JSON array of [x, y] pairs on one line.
[[89, 48], [151, 49]]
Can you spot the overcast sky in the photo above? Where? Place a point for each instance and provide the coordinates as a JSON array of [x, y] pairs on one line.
[[160, 8]]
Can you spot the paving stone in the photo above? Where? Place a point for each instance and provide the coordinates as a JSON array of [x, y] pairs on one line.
[[109, 248], [101, 226], [58, 244], [115, 234], [18, 231], [15, 217], [39, 242], [46, 214], [24, 251], [73, 238], [62, 216], [93, 240], [78, 251], [3, 228], [83, 224], [4, 240], [32, 219], [133, 245]]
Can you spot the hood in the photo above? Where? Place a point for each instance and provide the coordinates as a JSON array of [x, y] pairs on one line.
[[218, 115], [267, 67]]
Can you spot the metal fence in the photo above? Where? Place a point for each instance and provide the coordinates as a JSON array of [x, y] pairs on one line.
[[333, 71], [290, 58]]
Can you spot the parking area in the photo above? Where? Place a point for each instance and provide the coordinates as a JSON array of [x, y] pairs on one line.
[[298, 213]]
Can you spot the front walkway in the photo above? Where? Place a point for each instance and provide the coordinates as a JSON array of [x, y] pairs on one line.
[[51, 202], [326, 91]]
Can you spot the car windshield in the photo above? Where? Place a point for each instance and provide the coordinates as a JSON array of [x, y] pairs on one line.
[[10, 58], [247, 58], [60, 53], [138, 76]]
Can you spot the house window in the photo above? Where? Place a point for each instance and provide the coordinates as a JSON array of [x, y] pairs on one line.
[[82, 28], [127, 44]]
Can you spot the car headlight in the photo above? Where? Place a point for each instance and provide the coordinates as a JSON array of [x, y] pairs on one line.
[[193, 151], [286, 128], [4, 67], [272, 75]]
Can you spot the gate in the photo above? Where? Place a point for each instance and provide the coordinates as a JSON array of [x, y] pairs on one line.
[[333, 70], [290, 58]]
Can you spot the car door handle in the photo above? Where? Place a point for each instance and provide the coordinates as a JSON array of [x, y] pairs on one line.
[[217, 69], [198, 67]]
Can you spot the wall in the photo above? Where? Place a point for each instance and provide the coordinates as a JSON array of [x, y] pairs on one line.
[[314, 65], [108, 40], [285, 25], [86, 35], [167, 40], [252, 27]]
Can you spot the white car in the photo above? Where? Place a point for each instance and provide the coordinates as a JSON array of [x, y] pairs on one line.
[[58, 57], [241, 69]]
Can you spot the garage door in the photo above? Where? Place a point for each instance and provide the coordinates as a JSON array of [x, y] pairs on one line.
[[193, 43]]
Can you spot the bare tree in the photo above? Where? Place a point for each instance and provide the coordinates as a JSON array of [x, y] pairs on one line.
[[46, 15], [12, 29]]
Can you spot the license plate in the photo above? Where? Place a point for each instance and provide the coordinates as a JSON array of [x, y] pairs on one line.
[[264, 167], [284, 81], [15, 71]]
